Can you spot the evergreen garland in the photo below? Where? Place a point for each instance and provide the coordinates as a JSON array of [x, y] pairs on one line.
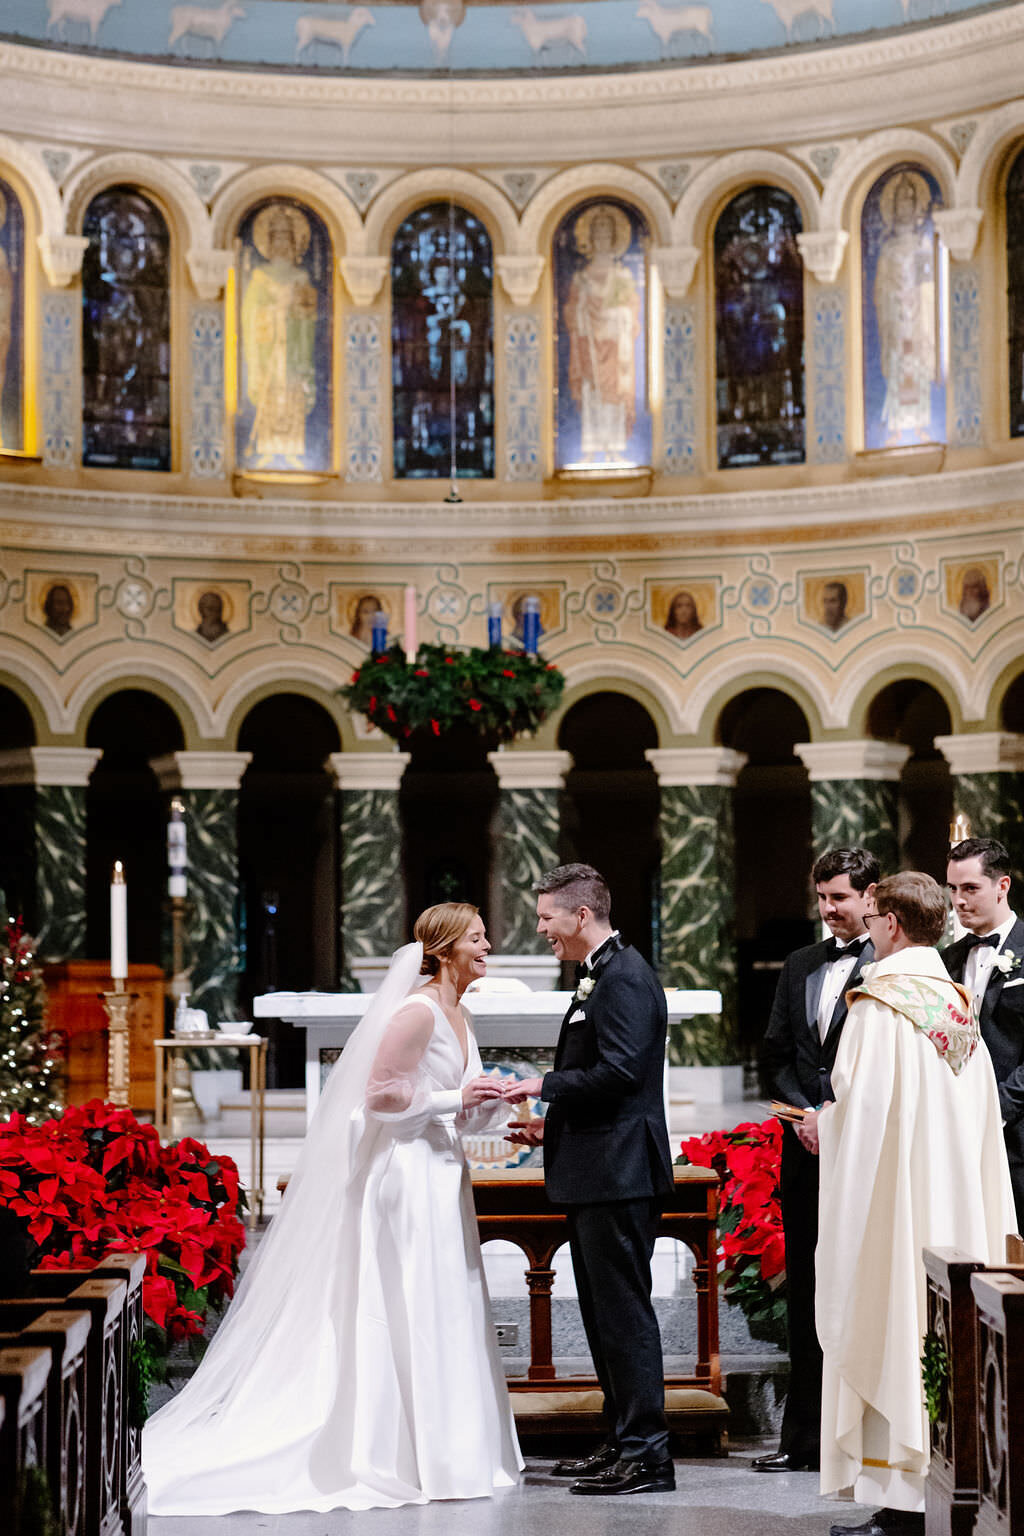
[[30, 1081]]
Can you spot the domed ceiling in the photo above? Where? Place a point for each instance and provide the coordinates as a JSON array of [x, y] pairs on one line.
[[443, 37]]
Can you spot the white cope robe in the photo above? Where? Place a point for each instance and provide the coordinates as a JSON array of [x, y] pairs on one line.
[[912, 1156]]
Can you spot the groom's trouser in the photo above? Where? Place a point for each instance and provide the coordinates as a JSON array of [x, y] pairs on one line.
[[611, 1249]]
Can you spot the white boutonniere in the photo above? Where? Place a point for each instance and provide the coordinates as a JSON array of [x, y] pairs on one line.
[[869, 970], [1005, 961], [584, 989]]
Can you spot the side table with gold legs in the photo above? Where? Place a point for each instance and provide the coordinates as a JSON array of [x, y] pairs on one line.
[[256, 1045]]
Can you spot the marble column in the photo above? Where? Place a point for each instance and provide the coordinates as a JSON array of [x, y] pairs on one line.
[[988, 787], [207, 784], [372, 913], [698, 944], [529, 821], [42, 848], [855, 796]]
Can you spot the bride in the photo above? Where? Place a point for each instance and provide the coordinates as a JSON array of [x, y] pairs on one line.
[[357, 1367]]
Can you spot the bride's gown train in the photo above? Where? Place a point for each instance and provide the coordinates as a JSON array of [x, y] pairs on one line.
[[358, 1367]]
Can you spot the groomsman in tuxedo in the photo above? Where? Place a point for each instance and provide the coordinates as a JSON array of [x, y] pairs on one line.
[[989, 962], [607, 1162], [798, 1054]]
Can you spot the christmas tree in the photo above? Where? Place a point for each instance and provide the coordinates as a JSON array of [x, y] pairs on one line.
[[29, 1067]]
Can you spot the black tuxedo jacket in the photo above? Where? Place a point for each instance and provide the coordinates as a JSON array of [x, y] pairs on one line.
[[1002, 1029], [798, 1063], [605, 1136]]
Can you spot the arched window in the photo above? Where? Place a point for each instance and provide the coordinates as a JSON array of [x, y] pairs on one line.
[[285, 379], [126, 333], [759, 330], [600, 272], [442, 344], [12, 320], [1015, 291], [903, 304]]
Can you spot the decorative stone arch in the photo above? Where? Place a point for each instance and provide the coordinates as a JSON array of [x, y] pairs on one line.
[[438, 184], [719, 683], [187, 215], [168, 684], [1004, 667], [863, 165], [37, 185], [324, 196], [311, 681], [987, 155], [598, 680], [34, 687], [562, 192], [719, 181], [950, 678]]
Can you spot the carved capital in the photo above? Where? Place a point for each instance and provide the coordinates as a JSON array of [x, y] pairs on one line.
[[823, 251], [676, 265], [364, 277], [958, 230], [520, 276], [209, 271], [62, 257]]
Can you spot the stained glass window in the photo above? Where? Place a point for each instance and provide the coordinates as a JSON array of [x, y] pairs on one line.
[[442, 344], [285, 295], [903, 304], [126, 333], [1015, 291], [12, 319], [600, 272], [759, 330]]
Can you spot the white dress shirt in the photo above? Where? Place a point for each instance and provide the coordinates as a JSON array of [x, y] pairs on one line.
[[980, 959], [836, 980], [613, 935]]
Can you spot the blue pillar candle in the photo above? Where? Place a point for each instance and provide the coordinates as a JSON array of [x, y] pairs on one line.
[[494, 625], [531, 625], [379, 633]]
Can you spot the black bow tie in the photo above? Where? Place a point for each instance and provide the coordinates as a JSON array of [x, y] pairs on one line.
[[582, 970], [991, 939], [836, 951]]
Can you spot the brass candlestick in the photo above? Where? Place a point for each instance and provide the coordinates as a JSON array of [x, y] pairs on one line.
[[119, 1005]]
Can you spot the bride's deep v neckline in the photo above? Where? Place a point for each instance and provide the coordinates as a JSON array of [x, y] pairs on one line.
[[463, 1048]]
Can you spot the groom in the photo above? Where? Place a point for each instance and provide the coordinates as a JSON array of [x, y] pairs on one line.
[[606, 1160]]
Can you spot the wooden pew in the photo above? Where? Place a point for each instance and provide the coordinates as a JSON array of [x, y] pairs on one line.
[[951, 1489], [24, 1378], [999, 1379], [65, 1334]]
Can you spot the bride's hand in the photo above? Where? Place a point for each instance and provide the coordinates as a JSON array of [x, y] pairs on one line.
[[480, 1091]]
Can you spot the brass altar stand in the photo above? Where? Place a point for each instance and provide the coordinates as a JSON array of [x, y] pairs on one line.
[[214, 1040], [514, 1206]]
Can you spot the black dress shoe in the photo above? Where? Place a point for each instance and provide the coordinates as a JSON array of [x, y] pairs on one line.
[[887, 1522], [630, 1477], [598, 1461], [784, 1461]]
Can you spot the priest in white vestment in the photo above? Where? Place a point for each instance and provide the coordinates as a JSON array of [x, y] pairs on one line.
[[912, 1156]]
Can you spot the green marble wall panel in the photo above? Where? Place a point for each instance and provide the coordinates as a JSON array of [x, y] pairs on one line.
[[528, 826], [698, 946], [372, 887], [857, 813], [212, 947], [60, 871], [994, 805]]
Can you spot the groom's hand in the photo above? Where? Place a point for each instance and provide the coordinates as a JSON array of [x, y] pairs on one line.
[[520, 1089], [529, 1133]]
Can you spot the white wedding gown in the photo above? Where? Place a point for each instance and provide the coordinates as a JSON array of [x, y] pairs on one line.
[[376, 1382]]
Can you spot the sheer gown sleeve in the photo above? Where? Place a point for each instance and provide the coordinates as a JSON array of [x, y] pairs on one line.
[[399, 1091]]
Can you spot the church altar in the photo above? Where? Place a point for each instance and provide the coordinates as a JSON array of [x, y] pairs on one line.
[[517, 1024]]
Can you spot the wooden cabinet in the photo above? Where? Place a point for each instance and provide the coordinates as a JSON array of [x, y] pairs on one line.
[[77, 1013]]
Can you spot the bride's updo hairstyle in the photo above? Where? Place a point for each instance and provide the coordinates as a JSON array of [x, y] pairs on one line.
[[438, 928]]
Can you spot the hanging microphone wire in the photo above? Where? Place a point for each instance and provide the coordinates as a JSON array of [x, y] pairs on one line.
[[453, 468]]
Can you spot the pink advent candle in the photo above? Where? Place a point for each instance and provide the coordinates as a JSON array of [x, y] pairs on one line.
[[118, 924], [410, 624]]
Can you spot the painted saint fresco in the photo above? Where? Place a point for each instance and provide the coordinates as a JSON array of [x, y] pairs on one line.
[[600, 272], [442, 345], [903, 306], [126, 334], [284, 340], [1015, 291], [759, 330], [12, 303]]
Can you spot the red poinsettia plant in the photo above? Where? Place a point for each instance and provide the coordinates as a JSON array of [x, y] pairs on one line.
[[751, 1250], [94, 1180]]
